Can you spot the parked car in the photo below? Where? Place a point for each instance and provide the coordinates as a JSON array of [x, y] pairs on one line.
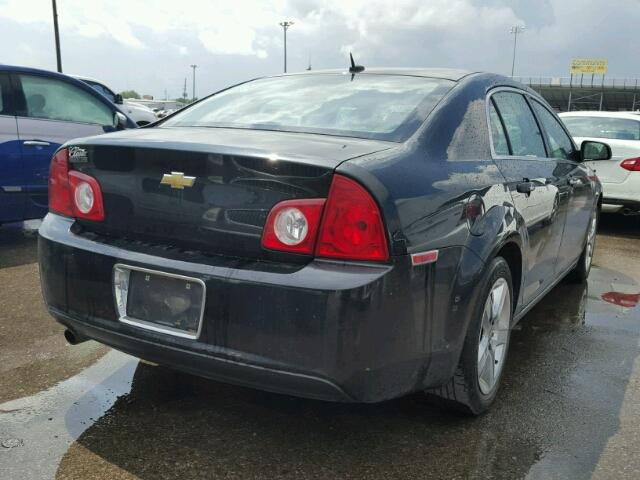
[[39, 111], [620, 175], [140, 114], [340, 237], [163, 113]]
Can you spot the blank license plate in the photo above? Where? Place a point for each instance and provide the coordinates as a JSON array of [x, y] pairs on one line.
[[159, 301]]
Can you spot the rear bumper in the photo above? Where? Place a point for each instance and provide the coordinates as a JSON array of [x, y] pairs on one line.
[[612, 205], [206, 365], [622, 195], [327, 330]]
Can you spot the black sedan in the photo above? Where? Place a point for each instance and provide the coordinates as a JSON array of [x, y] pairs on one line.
[[334, 235]]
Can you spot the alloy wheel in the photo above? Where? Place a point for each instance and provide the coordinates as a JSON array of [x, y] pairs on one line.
[[591, 240], [494, 335]]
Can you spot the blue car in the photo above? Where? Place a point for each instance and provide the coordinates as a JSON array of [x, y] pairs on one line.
[[39, 111]]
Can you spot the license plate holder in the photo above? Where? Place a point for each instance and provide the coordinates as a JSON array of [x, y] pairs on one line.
[[159, 301]]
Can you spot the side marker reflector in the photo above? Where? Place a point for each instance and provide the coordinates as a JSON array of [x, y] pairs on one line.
[[423, 258]]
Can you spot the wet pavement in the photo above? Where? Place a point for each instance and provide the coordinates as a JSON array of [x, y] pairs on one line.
[[569, 406]]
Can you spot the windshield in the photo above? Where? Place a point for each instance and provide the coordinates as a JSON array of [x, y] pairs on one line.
[[381, 107], [603, 127]]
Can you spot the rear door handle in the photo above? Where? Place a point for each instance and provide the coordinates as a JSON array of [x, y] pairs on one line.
[[525, 187], [36, 143]]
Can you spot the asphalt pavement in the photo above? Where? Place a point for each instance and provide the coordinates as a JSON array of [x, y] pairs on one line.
[[568, 408]]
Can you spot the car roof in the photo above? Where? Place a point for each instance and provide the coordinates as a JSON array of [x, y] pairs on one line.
[[22, 69], [38, 71], [588, 113], [85, 78], [444, 73]]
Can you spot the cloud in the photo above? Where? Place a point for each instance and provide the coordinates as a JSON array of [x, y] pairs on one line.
[[231, 40], [85, 19], [235, 40]]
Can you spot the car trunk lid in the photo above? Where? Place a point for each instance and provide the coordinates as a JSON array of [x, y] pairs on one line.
[[238, 176]]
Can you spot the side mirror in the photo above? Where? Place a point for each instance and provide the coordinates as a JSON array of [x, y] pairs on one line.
[[590, 150], [119, 121], [118, 99]]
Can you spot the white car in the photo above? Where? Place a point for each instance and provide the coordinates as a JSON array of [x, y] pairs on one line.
[[620, 176], [140, 114]]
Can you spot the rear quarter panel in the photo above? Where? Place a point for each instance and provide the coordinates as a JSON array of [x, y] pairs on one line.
[[423, 190]]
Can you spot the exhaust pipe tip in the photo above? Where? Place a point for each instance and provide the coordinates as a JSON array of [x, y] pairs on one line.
[[72, 338]]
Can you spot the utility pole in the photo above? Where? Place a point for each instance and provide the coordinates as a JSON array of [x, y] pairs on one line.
[[515, 30], [184, 90], [285, 26], [194, 82], [57, 35]]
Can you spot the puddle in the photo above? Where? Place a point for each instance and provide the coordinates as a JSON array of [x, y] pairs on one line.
[[47, 423], [625, 300]]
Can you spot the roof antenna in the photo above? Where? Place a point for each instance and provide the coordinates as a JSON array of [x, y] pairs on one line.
[[353, 69]]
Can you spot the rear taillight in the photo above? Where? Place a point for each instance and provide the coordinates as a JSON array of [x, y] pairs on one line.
[[352, 226], [631, 164], [73, 193], [292, 226], [346, 226], [87, 197], [60, 200]]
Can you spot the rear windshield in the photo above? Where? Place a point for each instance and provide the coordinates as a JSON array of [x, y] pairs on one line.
[[603, 127], [381, 107]]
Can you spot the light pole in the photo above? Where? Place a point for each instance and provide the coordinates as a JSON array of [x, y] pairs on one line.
[[515, 30], [193, 99], [285, 26], [57, 35]]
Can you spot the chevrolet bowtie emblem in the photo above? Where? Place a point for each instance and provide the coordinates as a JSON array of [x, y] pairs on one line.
[[177, 180]]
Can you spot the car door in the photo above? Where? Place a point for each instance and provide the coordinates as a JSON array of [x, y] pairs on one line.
[[51, 111], [12, 193], [534, 185], [576, 185]]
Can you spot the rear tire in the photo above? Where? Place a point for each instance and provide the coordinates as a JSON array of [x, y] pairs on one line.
[[580, 273], [475, 383]]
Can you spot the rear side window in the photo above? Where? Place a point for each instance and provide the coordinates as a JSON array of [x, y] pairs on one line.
[[559, 142], [603, 127], [499, 138], [53, 99], [521, 126]]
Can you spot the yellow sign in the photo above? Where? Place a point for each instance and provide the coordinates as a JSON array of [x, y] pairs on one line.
[[598, 66], [177, 180]]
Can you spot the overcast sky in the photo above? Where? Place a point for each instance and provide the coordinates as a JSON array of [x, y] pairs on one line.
[[149, 45]]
